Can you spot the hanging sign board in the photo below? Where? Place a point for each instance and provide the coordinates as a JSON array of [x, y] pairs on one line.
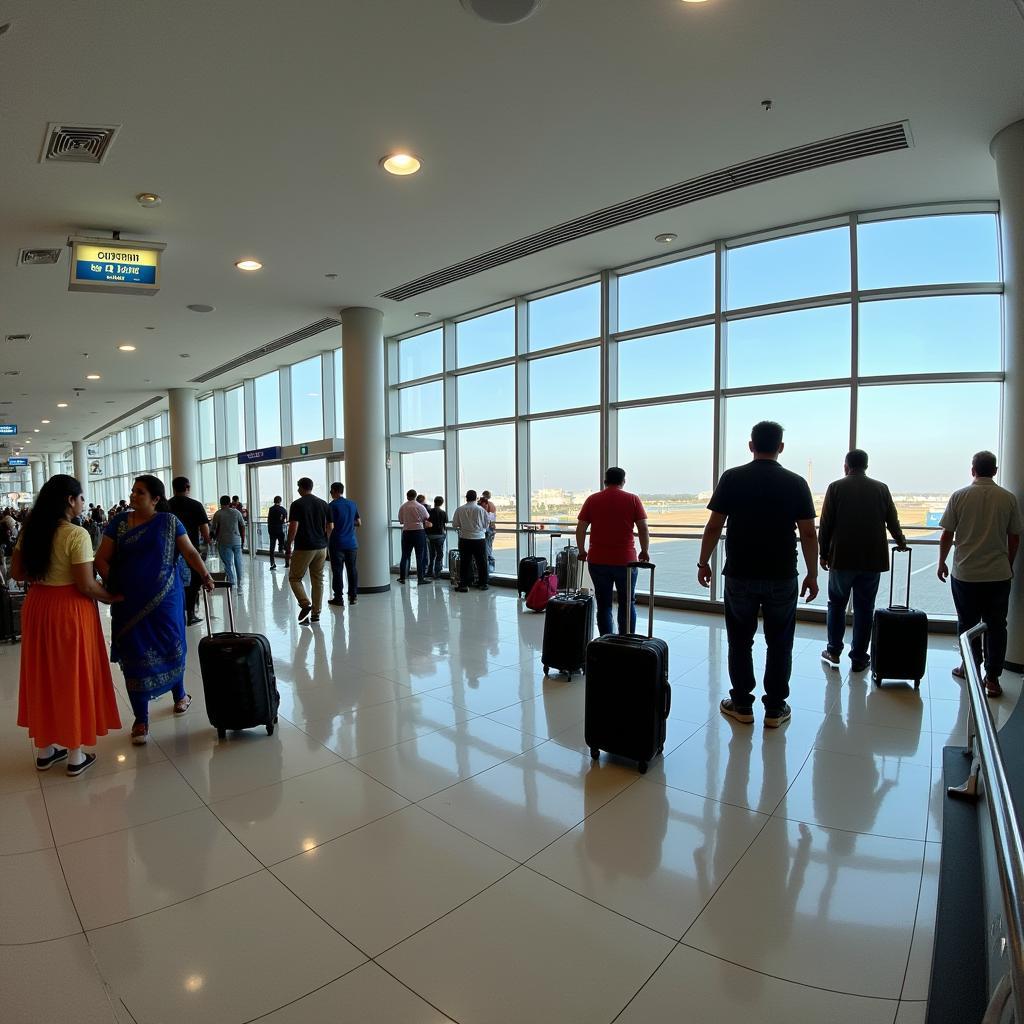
[[9, 469], [18, 460], [259, 455], [114, 265], [8, 429]]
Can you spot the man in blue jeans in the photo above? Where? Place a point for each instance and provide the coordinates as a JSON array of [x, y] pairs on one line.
[[228, 527], [762, 503], [342, 546], [611, 515], [854, 550]]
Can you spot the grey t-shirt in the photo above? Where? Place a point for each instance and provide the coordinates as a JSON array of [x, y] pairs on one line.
[[228, 523], [979, 517]]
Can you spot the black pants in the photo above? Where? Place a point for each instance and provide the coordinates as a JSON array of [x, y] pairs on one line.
[[413, 540], [435, 554], [192, 596], [343, 559], [476, 550], [984, 602], [277, 540]]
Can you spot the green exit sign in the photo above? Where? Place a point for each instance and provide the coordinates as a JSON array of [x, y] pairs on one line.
[[303, 449]]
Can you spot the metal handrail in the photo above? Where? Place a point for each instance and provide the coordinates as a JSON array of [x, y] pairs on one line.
[[1006, 833]]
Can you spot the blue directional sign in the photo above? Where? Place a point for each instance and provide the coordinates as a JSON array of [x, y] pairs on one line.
[[259, 455], [17, 460], [8, 428], [119, 273]]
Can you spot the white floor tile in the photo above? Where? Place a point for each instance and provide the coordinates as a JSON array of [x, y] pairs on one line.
[[379, 884], [911, 1013], [862, 739], [895, 705], [34, 901], [560, 706], [919, 969], [497, 689], [114, 753], [516, 953], [17, 761], [23, 822]]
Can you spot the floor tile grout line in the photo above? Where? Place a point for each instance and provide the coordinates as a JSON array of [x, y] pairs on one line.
[[128, 828], [419, 995], [645, 982], [920, 884]]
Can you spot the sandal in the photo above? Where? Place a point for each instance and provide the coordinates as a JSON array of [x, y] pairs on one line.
[[140, 734], [992, 687], [959, 672], [181, 706]]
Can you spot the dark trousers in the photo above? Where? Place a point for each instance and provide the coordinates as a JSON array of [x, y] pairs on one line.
[[278, 542], [413, 540], [776, 601], [984, 602], [476, 550], [343, 559], [192, 596], [864, 588], [435, 555], [623, 580]]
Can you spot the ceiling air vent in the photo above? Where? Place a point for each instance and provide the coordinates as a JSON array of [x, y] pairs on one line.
[[38, 257], [77, 144], [271, 346], [17, 337], [871, 141]]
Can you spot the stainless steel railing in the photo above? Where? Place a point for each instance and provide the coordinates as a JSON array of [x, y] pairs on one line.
[[987, 763]]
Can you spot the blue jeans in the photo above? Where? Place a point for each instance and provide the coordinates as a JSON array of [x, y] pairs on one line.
[[231, 556], [435, 558], [864, 587], [623, 579], [343, 559], [140, 701], [776, 601], [413, 540]]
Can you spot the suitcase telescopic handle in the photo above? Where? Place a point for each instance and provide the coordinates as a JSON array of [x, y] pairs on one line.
[[892, 576], [551, 548], [650, 600], [226, 587]]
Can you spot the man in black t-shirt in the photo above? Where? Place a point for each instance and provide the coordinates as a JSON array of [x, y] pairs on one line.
[[277, 516], [762, 504], [193, 517], [309, 526], [437, 534]]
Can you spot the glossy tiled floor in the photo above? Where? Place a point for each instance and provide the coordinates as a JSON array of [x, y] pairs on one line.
[[425, 839]]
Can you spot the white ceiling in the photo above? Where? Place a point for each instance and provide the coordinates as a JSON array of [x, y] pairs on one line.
[[261, 126]]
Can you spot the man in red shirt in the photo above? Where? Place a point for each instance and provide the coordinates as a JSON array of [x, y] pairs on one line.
[[611, 515]]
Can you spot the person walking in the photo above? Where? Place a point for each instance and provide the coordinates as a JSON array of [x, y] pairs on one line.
[[492, 516], [343, 546], [65, 691], [437, 535], [412, 515], [138, 559], [984, 521], [854, 552], [761, 502], [229, 529], [193, 517], [470, 521], [309, 527], [277, 516], [611, 514]]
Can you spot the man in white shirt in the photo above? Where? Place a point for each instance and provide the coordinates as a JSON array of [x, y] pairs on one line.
[[412, 515], [985, 523], [470, 520]]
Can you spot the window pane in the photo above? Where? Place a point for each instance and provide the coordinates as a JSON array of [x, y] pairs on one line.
[[933, 335], [316, 470], [817, 263], [673, 480], [307, 401], [486, 337], [268, 404], [674, 291], [270, 483], [206, 439], [809, 344], [562, 382], [421, 406], [574, 315], [339, 395], [425, 472], [487, 462], [564, 466], [667, 364], [208, 494], [420, 356], [486, 396], [234, 421], [928, 250]]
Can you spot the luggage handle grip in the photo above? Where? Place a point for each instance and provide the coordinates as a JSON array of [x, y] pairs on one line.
[[226, 587], [650, 600], [892, 575]]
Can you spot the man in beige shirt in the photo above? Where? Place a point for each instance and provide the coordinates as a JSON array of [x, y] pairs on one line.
[[984, 522]]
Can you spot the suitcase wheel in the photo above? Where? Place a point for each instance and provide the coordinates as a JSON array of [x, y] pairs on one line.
[[595, 753], [221, 733], [270, 729], [643, 767], [877, 680], [545, 670]]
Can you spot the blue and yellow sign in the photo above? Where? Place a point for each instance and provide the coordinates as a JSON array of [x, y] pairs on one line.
[[18, 460], [118, 265], [8, 429]]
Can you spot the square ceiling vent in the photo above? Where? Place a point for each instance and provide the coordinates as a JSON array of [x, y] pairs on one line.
[[77, 143], [38, 257], [17, 337]]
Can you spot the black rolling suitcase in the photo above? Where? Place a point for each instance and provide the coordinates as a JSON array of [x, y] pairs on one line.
[[10, 615], [568, 629], [455, 570], [628, 696], [531, 568], [899, 637], [238, 676]]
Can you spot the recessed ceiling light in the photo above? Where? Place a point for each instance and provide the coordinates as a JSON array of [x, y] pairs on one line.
[[44, 421], [35, 430], [423, 315], [248, 264], [148, 199], [400, 164], [665, 237], [126, 348], [331, 276], [184, 355], [694, 1], [92, 376], [200, 307], [62, 405]]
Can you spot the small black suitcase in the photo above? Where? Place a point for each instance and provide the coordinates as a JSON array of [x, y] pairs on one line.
[[899, 637], [568, 628], [238, 676], [455, 570], [531, 568], [10, 615], [628, 696]]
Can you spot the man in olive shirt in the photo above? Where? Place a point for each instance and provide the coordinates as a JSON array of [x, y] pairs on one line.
[[855, 514], [309, 526], [984, 521]]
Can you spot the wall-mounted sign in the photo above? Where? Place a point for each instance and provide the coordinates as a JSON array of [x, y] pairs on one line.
[[18, 460], [8, 429], [259, 455], [115, 265], [303, 449], [95, 467], [92, 451]]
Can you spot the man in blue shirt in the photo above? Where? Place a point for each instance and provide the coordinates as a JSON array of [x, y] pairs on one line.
[[343, 545]]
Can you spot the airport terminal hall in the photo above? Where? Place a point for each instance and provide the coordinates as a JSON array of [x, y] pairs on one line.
[[510, 512]]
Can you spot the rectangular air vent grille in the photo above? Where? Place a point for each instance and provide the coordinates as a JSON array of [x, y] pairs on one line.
[[38, 257], [869, 142], [17, 337], [77, 144], [270, 347]]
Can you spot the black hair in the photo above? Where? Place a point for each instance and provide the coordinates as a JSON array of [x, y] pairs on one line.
[[984, 464], [857, 459], [180, 484], [234, 497], [225, 500], [470, 495], [155, 489], [410, 494], [339, 487], [767, 437], [614, 476], [305, 483], [277, 498], [438, 501], [47, 515]]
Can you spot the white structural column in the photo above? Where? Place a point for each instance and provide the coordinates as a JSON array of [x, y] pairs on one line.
[[39, 476], [1008, 150], [80, 455], [181, 405], [366, 478]]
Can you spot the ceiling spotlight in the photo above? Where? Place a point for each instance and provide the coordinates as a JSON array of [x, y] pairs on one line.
[[665, 237], [184, 355], [694, 1], [423, 315], [148, 199], [126, 348], [400, 164], [200, 307], [248, 264], [92, 376], [62, 405], [44, 421], [35, 430]]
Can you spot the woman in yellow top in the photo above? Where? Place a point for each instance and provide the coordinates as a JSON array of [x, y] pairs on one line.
[[66, 693]]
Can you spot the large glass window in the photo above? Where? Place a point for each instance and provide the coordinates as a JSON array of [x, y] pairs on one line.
[[566, 381], [234, 421], [487, 462], [316, 470], [421, 406], [421, 356], [268, 405], [673, 291], [667, 364], [489, 395], [208, 493], [425, 472], [564, 466], [307, 401], [492, 336], [573, 315], [207, 439]]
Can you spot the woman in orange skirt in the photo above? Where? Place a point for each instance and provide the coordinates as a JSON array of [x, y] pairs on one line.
[[66, 694]]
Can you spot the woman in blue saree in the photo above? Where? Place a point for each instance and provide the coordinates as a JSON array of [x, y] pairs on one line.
[[140, 558]]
